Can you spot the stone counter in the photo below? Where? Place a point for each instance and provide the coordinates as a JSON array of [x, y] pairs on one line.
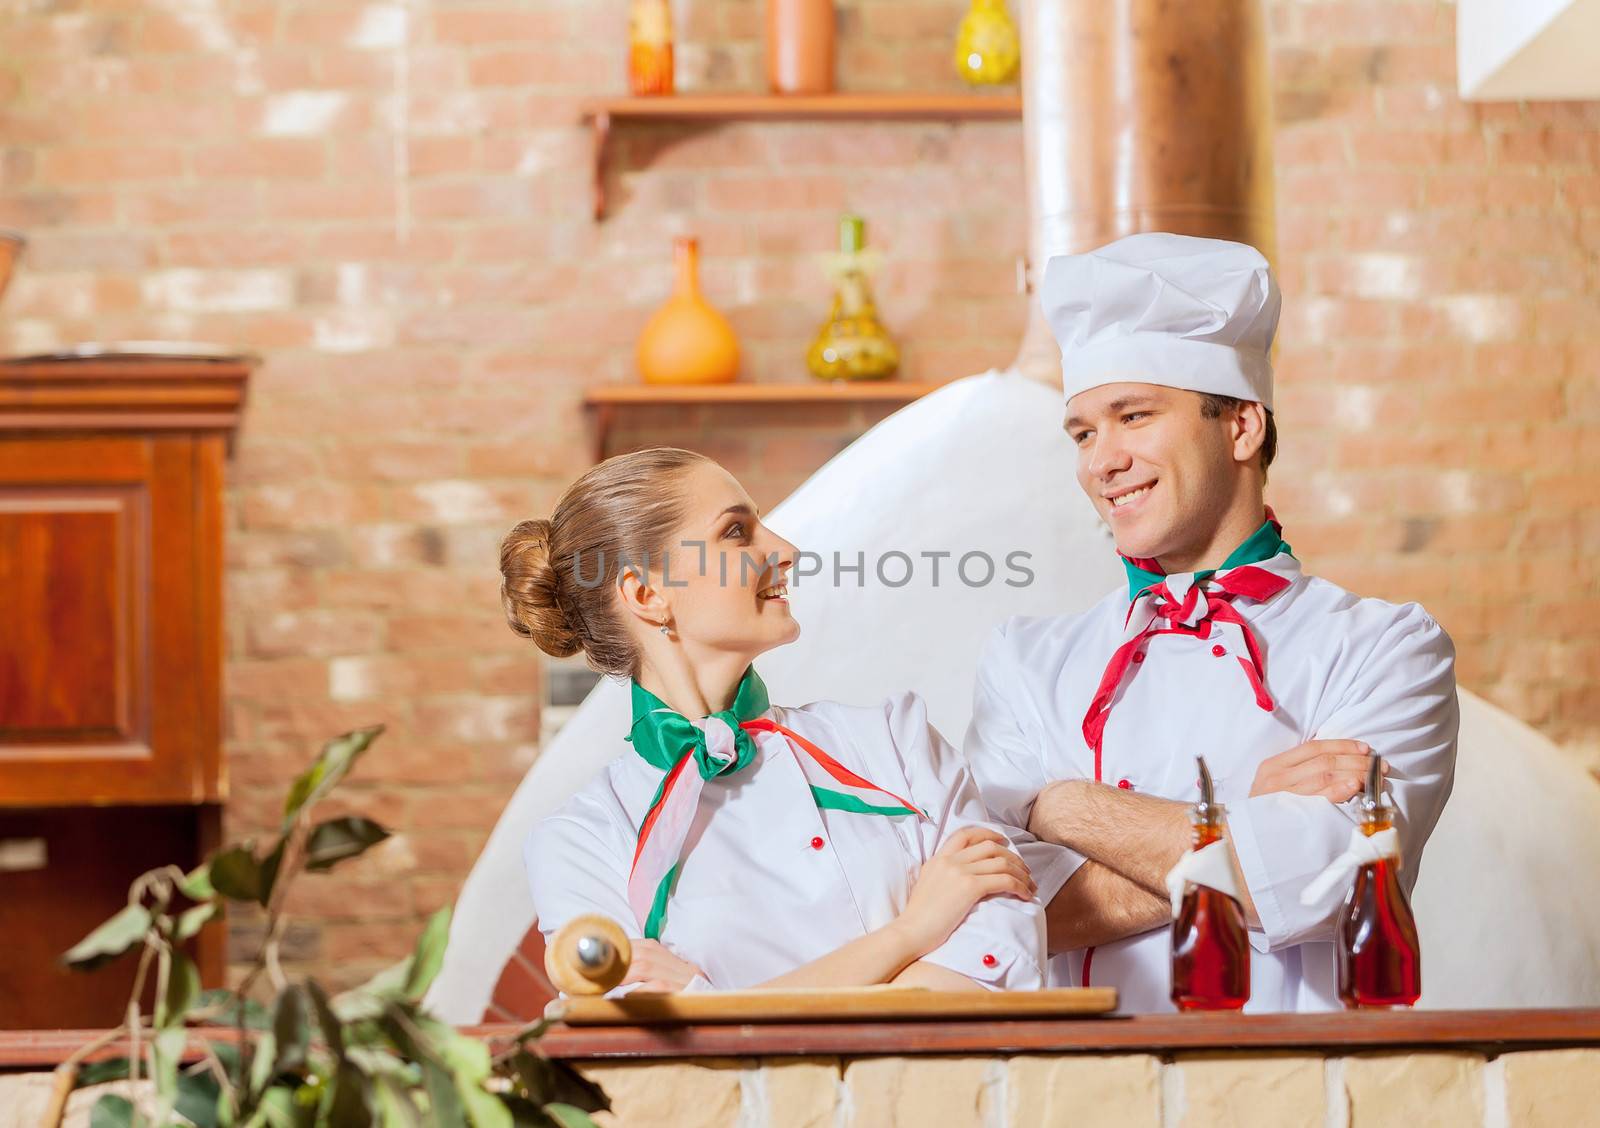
[[1404, 1089], [1410, 1069]]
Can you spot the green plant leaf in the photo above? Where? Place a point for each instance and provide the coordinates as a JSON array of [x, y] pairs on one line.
[[569, 1116], [198, 1094], [111, 1111], [444, 1104], [191, 921], [545, 1080], [236, 874], [396, 1109], [330, 766], [484, 1109], [263, 1056], [533, 1031], [333, 841], [166, 1052], [332, 1029], [350, 1098], [196, 884], [269, 869], [95, 1073], [526, 1114], [226, 1004], [367, 1001], [428, 957], [121, 932], [291, 1029], [469, 1063], [183, 989], [384, 1063], [279, 1109], [357, 1005], [466, 1057]]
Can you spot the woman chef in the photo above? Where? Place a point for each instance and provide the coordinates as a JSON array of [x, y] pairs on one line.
[[1085, 727], [745, 843]]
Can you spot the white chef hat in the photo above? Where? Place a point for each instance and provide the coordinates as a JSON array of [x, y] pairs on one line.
[[1174, 310]]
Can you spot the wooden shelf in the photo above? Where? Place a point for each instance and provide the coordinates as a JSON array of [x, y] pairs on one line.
[[603, 113], [821, 107], [607, 400], [865, 391]]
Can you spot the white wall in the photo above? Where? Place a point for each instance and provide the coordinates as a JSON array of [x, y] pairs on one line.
[[1540, 50]]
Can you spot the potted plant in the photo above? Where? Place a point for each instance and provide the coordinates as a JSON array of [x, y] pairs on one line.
[[368, 1056]]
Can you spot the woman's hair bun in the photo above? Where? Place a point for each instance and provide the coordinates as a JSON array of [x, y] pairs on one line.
[[530, 590]]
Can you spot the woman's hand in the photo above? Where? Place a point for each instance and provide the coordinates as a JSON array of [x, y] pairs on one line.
[[970, 865], [654, 968], [1333, 769]]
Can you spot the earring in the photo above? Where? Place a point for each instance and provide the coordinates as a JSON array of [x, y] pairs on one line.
[[666, 630]]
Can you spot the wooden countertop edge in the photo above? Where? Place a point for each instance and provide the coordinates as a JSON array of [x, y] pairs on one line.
[[1491, 1031]]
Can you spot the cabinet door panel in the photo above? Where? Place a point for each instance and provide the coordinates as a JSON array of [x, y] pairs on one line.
[[99, 607], [73, 653]]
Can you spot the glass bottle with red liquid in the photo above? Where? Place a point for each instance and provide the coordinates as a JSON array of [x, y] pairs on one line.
[[1380, 957], [1210, 947]]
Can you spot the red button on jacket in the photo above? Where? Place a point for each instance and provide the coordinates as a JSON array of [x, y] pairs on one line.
[[1126, 785], [816, 843], [1219, 650], [989, 961]]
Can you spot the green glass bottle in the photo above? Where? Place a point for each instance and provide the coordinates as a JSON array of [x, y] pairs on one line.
[[853, 344]]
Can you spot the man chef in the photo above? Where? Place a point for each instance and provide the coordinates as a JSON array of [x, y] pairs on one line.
[[1085, 727]]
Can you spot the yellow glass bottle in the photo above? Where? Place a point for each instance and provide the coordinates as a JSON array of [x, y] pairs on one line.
[[853, 344], [988, 49]]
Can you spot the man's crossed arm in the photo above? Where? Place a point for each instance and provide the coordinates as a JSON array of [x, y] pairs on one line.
[[1131, 841]]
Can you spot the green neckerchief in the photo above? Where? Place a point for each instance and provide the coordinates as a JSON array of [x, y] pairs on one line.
[[1263, 544], [663, 737], [661, 734]]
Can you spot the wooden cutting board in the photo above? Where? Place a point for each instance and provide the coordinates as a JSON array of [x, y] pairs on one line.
[[833, 1004]]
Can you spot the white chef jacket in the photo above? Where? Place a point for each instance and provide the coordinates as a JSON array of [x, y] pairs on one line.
[[767, 881], [1337, 667]]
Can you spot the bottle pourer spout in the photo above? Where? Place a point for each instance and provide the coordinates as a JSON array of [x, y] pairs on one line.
[[1372, 798], [1207, 807]]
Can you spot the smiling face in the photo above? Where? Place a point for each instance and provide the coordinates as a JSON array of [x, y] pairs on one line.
[[724, 585], [1171, 484]]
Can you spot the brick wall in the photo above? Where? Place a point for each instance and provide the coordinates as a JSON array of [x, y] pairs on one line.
[[388, 201]]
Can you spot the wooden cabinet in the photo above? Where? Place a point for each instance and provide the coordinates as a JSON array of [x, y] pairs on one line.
[[111, 474]]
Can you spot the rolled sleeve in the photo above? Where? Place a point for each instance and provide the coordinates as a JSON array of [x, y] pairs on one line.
[[1402, 702], [1001, 942], [1319, 831]]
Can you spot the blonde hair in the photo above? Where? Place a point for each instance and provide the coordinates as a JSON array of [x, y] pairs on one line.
[[559, 576]]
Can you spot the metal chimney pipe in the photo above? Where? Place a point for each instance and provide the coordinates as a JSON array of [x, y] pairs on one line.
[[1141, 115]]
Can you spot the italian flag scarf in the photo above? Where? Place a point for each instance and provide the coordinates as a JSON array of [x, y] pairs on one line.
[[1200, 604], [691, 752]]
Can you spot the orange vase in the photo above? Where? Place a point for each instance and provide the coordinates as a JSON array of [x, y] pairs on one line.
[[650, 47], [686, 341], [800, 46]]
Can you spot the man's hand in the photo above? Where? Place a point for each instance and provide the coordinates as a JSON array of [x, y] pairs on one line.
[[656, 969], [1334, 769]]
